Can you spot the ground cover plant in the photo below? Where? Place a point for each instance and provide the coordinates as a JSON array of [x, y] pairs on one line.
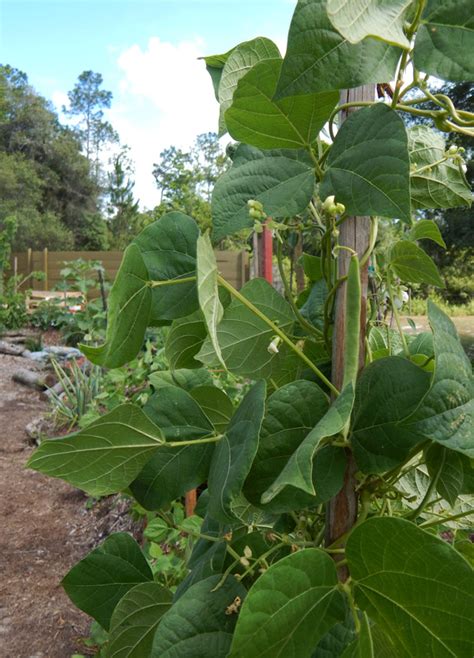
[[336, 495]]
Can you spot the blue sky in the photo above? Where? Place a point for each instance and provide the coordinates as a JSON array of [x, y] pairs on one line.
[[147, 52]]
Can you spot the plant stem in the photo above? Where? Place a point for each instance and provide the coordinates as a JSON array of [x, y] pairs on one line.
[[406, 53], [396, 315], [235, 293], [172, 282], [302, 320], [444, 519], [429, 491], [208, 439]]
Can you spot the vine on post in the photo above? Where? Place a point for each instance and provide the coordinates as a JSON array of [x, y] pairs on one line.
[[336, 494]]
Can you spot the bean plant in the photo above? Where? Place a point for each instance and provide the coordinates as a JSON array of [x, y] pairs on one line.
[[383, 423]]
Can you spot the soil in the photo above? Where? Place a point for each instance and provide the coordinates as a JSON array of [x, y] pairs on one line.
[[47, 526]]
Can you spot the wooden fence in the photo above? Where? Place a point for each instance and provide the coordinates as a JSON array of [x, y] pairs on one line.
[[233, 265]]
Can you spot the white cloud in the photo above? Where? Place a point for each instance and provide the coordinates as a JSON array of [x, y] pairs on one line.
[[165, 98]]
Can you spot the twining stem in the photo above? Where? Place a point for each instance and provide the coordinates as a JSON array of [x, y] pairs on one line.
[[429, 491], [374, 224], [172, 282], [406, 53], [302, 320], [445, 519], [235, 293], [207, 439], [396, 315]]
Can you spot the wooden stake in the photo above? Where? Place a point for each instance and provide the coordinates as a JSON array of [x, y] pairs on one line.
[[342, 509]]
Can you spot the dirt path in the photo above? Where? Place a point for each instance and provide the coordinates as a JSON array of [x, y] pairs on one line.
[[45, 529]]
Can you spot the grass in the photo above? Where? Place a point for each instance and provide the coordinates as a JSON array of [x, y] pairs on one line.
[[418, 306]]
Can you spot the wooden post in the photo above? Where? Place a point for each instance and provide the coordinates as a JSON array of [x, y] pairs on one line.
[[262, 264], [28, 262], [45, 267], [342, 509]]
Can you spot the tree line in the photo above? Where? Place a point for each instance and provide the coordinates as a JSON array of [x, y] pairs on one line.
[[70, 184]]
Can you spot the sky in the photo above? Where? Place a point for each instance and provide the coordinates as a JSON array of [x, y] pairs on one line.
[[147, 52]]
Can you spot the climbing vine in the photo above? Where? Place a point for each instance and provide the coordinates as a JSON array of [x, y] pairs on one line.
[[263, 579]]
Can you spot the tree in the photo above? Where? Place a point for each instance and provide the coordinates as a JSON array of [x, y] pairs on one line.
[[122, 208], [45, 180], [389, 416], [87, 101], [186, 178]]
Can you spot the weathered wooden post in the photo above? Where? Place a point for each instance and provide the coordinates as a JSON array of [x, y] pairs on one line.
[[354, 233]]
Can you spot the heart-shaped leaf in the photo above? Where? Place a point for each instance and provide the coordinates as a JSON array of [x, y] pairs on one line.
[[435, 182], [201, 622], [244, 337], [427, 229], [446, 413], [254, 118], [413, 265], [168, 248], [319, 58], [104, 457], [382, 19], [387, 392], [298, 471], [405, 579], [445, 40], [283, 186], [289, 608], [129, 312], [234, 454], [368, 164], [98, 582], [173, 471], [135, 619], [184, 341], [292, 412], [241, 60]]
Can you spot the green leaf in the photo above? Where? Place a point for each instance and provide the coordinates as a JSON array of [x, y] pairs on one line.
[[292, 412], [214, 66], [241, 60], [434, 184], [298, 471], [135, 619], [254, 118], [382, 19], [312, 267], [446, 413], [183, 377], [284, 186], [184, 341], [337, 638], [98, 582], [415, 586], [173, 471], [447, 466], [168, 247], [409, 262], [368, 168], [363, 645], [234, 454], [318, 58], [199, 624], [313, 308], [104, 457], [215, 403], [208, 291], [426, 229], [445, 40], [388, 391], [244, 337], [129, 310], [245, 153], [289, 608]]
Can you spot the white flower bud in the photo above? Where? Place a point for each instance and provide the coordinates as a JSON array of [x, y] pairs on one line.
[[273, 347]]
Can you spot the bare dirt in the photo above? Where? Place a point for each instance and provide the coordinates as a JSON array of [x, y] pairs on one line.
[[46, 527]]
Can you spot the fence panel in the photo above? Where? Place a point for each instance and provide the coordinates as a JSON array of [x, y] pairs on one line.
[[233, 265]]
